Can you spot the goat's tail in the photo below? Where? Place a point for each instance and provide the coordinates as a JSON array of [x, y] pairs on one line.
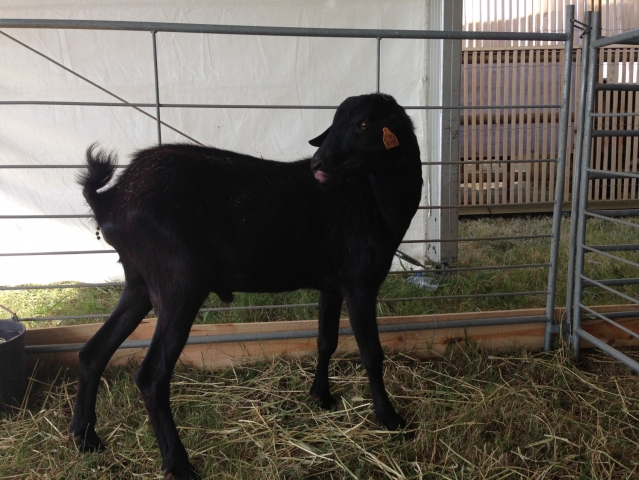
[[100, 170]]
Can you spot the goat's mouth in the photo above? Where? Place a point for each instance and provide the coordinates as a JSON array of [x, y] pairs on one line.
[[321, 176]]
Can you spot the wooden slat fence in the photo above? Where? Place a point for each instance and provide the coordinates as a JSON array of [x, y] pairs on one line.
[[517, 147]]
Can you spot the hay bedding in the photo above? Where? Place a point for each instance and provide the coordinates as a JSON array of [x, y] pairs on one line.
[[472, 415]]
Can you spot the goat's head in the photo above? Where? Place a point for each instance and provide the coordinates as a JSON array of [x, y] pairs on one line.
[[367, 133]]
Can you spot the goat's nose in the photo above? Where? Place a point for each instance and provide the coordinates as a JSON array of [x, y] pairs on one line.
[[316, 163]]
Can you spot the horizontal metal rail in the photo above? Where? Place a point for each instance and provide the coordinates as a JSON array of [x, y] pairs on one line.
[[477, 239], [613, 315], [618, 212], [481, 206], [64, 285], [621, 38], [443, 271], [613, 352], [615, 133], [278, 31], [612, 281], [304, 305], [610, 290], [608, 320], [394, 272], [257, 106], [266, 336], [31, 217], [413, 241], [51, 166], [611, 219], [35, 254], [612, 257], [461, 163], [594, 174], [617, 87], [616, 248], [619, 114]]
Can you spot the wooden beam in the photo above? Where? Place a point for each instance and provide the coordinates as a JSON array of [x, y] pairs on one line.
[[417, 343]]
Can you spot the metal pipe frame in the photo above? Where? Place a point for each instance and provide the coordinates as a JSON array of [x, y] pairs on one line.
[[306, 305], [279, 31], [561, 175], [624, 37], [378, 35], [617, 87], [584, 164], [576, 175], [582, 281]]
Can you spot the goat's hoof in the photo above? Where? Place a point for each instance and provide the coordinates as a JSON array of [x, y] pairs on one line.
[[391, 421], [179, 473], [325, 399], [88, 442]]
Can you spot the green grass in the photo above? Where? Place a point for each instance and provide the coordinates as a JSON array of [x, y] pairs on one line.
[[38, 303], [474, 416]]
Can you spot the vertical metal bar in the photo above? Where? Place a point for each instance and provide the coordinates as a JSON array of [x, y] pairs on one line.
[[576, 166], [379, 59], [593, 70], [157, 89], [561, 175]]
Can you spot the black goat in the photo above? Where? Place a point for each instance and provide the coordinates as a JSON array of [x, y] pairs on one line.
[[189, 220]]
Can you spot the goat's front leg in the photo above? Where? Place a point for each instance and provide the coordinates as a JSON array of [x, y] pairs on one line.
[[330, 307], [362, 307], [153, 378]]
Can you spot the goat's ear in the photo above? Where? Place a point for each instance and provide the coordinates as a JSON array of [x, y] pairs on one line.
[[317, 141]]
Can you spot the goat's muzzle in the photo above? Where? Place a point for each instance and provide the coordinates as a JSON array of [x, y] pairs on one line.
[[316, 167]]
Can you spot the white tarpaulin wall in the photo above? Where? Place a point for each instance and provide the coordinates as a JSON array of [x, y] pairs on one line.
[[193, 68]]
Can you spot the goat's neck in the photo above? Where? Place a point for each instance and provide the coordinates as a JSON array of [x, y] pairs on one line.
[[397, 195]]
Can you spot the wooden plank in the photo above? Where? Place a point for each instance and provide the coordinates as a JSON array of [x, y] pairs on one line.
[[614, 124], [521, 129], [555, 99], [499, 150], [635, 125], [473, 134], [467, 137], [483, 130], [420, 343], [627, 106], [509, 91], [545, 149], [530, 76], [490, 186], [534, 147], [598, 122]]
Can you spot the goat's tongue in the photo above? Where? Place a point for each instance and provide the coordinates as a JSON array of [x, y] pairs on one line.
[[321, 176]]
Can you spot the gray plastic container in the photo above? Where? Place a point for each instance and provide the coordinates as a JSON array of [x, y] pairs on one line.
[[12, 369]]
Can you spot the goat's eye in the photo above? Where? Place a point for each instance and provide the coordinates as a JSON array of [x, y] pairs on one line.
[[362, 125]]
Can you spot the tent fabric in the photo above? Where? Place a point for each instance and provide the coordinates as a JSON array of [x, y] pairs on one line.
[[192, 68]]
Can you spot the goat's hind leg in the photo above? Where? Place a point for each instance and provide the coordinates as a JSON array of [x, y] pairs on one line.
[[132, 307], [176, 313], [330, 307]]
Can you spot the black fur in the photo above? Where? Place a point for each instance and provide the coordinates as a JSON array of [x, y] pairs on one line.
[[189, 220]]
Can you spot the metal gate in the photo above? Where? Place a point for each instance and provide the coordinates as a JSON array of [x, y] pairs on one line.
[[595, 128]]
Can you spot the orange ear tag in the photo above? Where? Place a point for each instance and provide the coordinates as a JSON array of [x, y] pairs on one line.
[[390, 140]]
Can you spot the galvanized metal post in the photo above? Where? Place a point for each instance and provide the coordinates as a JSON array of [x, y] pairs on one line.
[[157, 89], [576, 167], [593, 69], [379, 60], [561, 175]]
